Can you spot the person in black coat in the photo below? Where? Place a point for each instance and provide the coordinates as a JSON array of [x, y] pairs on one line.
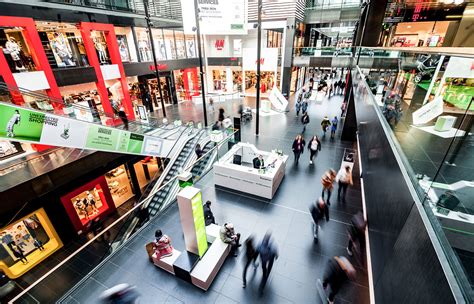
[[251, 255], [338, 271], [258, 162], [198, 151], [318, 211], [123, 116], [298, 147], [208, 215]]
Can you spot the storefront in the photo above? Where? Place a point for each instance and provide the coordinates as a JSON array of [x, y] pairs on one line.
[[225, 79], [87, 100], [88, 202], [10, 150], [144, 46], [268, 67], [427, 34], [119, 184], [27, 242], [187, 83]]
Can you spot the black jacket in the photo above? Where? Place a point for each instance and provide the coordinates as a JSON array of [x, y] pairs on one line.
[[300, 147], [257, 163]]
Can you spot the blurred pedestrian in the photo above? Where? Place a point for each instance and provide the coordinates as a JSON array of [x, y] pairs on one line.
[[221, 115], [298, 147], [333, 126], [268, 253], [338, 271], [198, 151], [251, 255], [298, 103], [327, 181], [123, 116], [356, 233], [305, 120], [318, 210], [314, 146], [325, 123], [344, 179]]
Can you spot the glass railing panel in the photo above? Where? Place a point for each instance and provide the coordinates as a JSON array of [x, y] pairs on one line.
[[79, 267], [426, 106]]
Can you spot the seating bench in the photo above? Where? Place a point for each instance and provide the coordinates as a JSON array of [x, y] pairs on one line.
[[212, 232], [207, 268], [166, 263]]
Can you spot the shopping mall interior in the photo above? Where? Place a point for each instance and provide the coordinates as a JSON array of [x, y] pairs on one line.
[[252, 151]]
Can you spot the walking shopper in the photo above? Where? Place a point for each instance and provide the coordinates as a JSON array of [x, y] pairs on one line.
[[304, 104], [221, 116], [339, 87], [325, 124], [268, 253], [318, 210], [333, 127], [314, 146], [338, 271], [229, 236], [329, 89], [251, 255], [208, 215], [299, 103], [123, 116], [211, 105], [198, 151], [298, 147], [344, 178], [356, 233], [327, 181], [305, 120]]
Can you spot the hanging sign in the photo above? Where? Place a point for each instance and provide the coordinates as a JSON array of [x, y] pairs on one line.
[[429, 111]]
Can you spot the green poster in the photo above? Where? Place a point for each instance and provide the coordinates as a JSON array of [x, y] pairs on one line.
[[130, 142], [136, 143], [21, 124], [102, 138], [199, 223]]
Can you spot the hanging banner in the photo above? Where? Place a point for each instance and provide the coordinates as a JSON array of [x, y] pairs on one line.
[[24, 125], [229, 15], [429, 111]]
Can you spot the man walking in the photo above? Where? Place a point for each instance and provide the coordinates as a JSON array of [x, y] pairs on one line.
[[268, 253]]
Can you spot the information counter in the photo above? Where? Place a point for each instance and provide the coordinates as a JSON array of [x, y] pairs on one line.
[[235, 171]]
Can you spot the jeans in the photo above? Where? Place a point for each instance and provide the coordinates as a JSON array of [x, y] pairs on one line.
[[267, 268], [342, 188], [297, 156], [247, 264], [328, 190], [312, 154]]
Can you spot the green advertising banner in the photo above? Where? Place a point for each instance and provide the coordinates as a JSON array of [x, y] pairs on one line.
[[20, 124], [102, 138], [130, 142], [199, 223]]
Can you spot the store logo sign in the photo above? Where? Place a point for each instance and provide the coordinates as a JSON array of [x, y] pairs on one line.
[[219, 45], [161, 67], [262, 61]]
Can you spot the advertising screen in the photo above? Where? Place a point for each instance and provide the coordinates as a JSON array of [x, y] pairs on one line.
[[199, 223]]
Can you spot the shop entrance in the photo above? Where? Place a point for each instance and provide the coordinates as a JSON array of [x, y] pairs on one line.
[[167, 88]]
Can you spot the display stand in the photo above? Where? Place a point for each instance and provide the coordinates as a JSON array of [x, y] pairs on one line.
[[348, 158]]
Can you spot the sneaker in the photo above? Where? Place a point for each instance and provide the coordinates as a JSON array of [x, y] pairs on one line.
[[349, 252], [330, 302], [310, 162], [244, 285]]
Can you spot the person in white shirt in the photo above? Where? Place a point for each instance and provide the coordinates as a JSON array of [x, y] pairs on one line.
[[344, 178]]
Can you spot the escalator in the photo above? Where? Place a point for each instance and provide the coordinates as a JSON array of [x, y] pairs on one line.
[[53, 122], [202, 166]]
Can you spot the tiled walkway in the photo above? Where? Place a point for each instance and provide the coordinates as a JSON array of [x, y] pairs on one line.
[[301, 261]]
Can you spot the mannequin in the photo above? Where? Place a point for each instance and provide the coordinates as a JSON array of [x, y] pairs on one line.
[[61, 49], [82, 52], [14, 49], [143, 48], [100, 47]]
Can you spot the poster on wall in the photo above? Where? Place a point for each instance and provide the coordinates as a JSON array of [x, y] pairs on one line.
[[237, 47], [101, 138], [190, 48], [231, 16], [21, 124]]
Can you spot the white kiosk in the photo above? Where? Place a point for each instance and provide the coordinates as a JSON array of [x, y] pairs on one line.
[[235, 170]]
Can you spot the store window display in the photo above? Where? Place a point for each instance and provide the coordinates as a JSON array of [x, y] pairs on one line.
[[123, 48], [89, 204], [16, 51], [27, 242], [146, 170], [160, 47], [119, 185], [126, 44], [190, 46], [61, 49], [180, 44], [144, 48], [100, 46], [170, 44]]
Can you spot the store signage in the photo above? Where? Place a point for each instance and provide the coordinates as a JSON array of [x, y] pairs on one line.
[[161, 67], [217, 17], [429, 111], [277, 99], [219, 44], [22, 125], [268, 59], [419, 13]]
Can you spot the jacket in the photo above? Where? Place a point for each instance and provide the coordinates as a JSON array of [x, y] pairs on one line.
[[226, 235], [298, 147], [208, 216], [327, 180], [267, 251], [344, 177], [305, 119], [319, 145], [325, 124]]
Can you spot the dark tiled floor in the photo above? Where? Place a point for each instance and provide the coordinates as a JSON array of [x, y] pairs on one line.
[[301, 262]]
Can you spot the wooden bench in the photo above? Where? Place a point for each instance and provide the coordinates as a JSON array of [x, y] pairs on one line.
[[166, 263]]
